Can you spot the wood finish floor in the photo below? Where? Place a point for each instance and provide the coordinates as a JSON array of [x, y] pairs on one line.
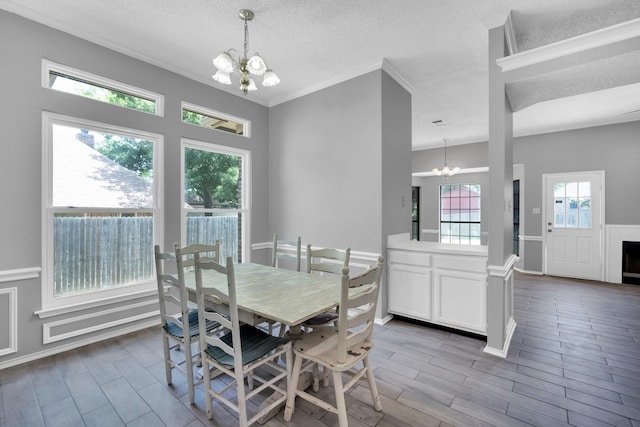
[[574, 360]]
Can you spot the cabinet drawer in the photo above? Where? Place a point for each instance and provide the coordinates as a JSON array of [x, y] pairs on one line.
[[412, 258]]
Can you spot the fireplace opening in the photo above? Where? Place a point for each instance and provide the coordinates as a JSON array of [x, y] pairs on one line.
[[631, 263]]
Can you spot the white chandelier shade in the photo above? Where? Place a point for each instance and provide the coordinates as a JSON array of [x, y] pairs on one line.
[[230, 61], [446, 171]]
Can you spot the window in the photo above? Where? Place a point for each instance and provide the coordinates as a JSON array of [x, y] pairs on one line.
[[216, 197], [516, 217], [204, 117], [460, 214], [572, 205], [415, 213], [70, 80], [101, 210]]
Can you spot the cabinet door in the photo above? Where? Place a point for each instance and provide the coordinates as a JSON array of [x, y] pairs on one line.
[[461, 300], [410, 291]]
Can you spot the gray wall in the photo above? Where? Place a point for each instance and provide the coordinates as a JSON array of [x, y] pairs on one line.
[[613, 148], [396, 158], [23, 44], [324, 160], [336, 163]]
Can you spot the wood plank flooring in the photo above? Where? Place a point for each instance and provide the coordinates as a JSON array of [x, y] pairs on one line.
[[574, 360]]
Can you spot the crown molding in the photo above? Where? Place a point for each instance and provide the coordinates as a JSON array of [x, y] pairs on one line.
[[581, 43], [394, 74], [497, 20], [351, 74]]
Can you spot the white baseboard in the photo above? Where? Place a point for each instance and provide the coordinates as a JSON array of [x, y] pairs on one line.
[[511, 327], [520, 270], [384, 320]]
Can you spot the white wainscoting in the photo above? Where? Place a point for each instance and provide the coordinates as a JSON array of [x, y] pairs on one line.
[[9, 319], [615, 235], [19, 274], [73, 326]]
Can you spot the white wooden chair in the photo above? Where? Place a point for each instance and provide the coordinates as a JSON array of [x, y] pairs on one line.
[[341, 349], [174, 308], [325, 261], [238, 352], [282, 251]]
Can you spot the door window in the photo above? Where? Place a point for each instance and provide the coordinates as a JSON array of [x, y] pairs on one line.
[[572, 205]]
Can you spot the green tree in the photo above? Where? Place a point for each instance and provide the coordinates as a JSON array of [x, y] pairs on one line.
[[212, 177], [131, 153]]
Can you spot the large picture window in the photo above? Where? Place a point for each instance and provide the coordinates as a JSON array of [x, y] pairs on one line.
[[216, 197], [101, 210], [460, 214]]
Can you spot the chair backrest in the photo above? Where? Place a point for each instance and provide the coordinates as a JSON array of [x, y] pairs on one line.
[[327, 260], [185, 261], [170, 292], [356, 327], [231, 322], [188, 252], [282, 251]]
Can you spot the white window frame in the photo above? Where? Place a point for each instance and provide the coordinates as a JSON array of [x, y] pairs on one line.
[[465, 222], [245, 210], [246, 124], [59, 305], [49, 66]]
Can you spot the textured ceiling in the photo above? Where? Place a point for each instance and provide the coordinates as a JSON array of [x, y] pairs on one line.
[[439, 47]]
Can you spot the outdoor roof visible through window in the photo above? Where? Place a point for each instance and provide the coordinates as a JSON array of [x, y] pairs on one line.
[[214, 120]]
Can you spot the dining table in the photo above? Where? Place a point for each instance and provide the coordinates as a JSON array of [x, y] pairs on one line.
[[265, 292]]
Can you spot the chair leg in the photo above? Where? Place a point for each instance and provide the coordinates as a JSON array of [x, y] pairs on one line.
[[325, 377], [377, 404], [293, 388], [207, 386], [340, 402], [167, 358], [316, 378], [188, 365], [242, 401]]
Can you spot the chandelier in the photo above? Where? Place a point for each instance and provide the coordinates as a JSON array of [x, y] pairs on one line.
[[230, 61], [445, 170]]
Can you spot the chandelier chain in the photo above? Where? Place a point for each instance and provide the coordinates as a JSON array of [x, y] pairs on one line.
[[246, 38]]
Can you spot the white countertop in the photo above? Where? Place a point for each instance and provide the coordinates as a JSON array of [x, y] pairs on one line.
[[399, 242]]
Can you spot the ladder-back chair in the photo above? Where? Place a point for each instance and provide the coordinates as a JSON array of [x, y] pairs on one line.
[[341, 349], [174, 309], [239, 351]]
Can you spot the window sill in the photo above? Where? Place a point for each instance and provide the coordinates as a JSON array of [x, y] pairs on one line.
[[72, 308]]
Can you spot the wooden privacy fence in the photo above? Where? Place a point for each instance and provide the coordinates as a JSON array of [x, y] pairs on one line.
[[208, 229], [93, 253]]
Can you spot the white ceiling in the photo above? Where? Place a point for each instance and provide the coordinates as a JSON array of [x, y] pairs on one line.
[[438, 47]]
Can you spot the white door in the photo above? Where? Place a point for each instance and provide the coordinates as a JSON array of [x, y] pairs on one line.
[[573, 224]]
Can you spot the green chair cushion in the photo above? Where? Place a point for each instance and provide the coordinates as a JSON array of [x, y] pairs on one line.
[[194, 326], [255, 344]]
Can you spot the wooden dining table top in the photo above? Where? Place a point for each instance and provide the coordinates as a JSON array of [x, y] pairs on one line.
[[287, 296]]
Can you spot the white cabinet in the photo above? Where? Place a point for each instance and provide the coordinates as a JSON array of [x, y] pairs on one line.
[[461, 300], [412, 291], [441, 284]]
